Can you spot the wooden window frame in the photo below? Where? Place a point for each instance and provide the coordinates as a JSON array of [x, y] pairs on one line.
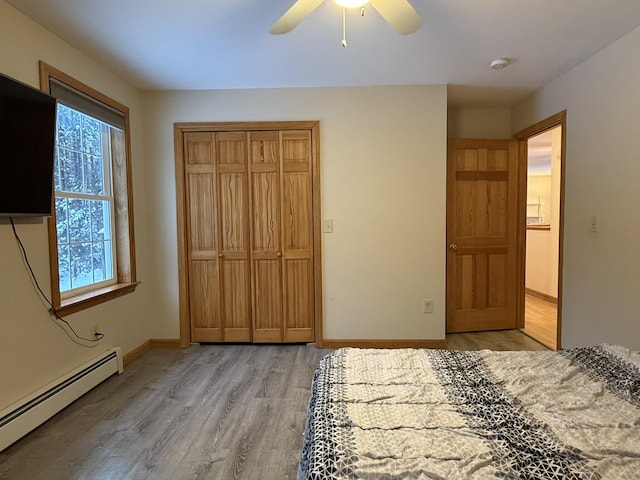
[[123, 229]]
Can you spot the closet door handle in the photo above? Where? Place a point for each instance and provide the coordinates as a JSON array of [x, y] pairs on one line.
[[220, 255], [279, 254], [453, 246]]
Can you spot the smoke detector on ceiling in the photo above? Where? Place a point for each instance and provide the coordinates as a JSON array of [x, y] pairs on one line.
[[499, 63]]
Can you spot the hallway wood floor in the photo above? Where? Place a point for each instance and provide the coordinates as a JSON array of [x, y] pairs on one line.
[[494, 340], [541, 320], [209, 412]]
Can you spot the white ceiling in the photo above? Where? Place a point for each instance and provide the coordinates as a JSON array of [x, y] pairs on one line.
[[225, 44]]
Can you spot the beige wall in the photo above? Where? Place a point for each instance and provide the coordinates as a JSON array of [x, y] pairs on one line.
[[539, 192], [382, 153], [538, 264], [540, 242], [601, 270], [34, 350], [479, 122]]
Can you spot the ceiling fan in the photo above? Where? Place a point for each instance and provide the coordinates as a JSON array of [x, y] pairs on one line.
[[399, 14]]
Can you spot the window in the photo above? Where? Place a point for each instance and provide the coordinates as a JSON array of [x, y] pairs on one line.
[[91, 233], [84, 202]]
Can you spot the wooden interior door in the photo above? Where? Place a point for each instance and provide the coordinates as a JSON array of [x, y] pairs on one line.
[[482, 230], [216, 177]]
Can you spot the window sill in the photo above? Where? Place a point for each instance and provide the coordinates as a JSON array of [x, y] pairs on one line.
[[86, 300]]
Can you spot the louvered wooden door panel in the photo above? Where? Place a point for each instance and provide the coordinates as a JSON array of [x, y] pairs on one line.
[[265, 166], [216, 177], [231, 159], [297, 226], [204, 280], [282, 234]]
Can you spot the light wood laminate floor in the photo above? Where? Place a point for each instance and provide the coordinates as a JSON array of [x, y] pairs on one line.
[[495, 340], [210, 412], [541, 320]]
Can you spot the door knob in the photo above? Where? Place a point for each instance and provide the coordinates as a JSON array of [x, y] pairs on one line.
[[220, 255], [453, 246], [279, 254]]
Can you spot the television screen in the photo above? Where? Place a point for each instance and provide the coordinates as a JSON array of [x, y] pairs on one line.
[[27, 144]]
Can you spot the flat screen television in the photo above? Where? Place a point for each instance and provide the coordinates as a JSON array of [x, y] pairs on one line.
[[27, 146]]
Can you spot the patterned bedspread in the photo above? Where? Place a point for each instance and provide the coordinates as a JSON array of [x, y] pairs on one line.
[[440, 414]]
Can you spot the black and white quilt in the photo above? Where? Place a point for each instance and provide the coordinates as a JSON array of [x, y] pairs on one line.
[[441, 414]]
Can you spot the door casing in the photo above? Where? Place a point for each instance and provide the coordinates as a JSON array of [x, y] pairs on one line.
[[559, 119]]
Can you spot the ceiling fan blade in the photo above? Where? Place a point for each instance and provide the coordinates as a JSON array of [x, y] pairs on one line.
[[400, 14], [294, 16]]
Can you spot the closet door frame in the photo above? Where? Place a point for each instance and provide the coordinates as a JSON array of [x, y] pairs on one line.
[[180, 129]]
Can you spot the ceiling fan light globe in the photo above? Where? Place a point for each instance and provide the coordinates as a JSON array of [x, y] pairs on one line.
[[351, 3]]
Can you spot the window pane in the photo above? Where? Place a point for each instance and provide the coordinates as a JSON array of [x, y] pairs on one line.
[[68, 127], [100, 220], [64, 268], [91, 135], [62, 230], [109, 259], [99, 266], [79, 221], [81, 265], [56, 171], [88, 258], [79, 154], [94, 174], [70, 165]]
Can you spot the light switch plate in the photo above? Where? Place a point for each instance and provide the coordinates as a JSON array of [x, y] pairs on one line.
[[427, 305], [327, 226]]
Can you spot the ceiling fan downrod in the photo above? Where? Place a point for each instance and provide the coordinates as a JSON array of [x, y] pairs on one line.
[[344, 27], [344, 24]]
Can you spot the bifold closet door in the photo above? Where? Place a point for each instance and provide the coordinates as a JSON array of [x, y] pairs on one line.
[[217, 229], [282, 236], [266, 255]]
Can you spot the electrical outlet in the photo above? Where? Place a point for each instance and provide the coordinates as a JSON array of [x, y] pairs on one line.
[[427, 305]]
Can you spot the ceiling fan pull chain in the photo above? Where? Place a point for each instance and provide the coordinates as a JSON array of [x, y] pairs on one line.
[[344, 27]]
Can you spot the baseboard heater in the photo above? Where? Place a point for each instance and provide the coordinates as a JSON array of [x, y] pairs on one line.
[[32, 411]]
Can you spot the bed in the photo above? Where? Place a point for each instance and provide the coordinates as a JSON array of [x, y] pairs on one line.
[[442, 414]]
